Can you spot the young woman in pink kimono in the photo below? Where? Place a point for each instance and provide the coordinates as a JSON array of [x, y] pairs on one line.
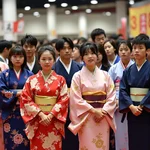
[[92, 102], [44, 104], [3, 66]]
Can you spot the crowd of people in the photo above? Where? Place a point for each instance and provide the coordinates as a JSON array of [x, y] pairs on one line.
[[75, 94]]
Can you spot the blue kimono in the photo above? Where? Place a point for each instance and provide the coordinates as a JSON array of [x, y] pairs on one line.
[[138, 126], [13, 125], [59, 69], [71, 141]]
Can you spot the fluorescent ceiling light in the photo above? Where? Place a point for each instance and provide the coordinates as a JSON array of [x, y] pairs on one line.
[[36, 14], [94, 1], [88, 10], [108, 13], [64, 4], [27, 8], [131, 2], [20, 15], [51, 0], [67, 12], [47, 5], [74, 7]]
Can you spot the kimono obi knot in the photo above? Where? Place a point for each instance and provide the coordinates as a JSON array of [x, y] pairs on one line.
[[45, 103], [97, 100], [137, 94]]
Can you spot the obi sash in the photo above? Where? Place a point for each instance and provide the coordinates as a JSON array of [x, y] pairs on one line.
[[137, 94], [95, 99], [45, 103]]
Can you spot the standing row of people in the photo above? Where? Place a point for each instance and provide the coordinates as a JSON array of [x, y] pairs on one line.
[[43, 102]]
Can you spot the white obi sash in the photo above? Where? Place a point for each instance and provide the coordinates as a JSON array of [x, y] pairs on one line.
[[137, 94]]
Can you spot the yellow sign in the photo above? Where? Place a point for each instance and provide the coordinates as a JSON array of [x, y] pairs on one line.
[[139, 20]]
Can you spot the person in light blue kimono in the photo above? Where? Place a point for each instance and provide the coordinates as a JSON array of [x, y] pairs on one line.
[[116, 71], [11, 84]]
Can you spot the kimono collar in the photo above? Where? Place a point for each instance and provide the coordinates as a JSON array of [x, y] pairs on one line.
[[124, 67], [139, 67], [31, 65], [66, 67], [112, 63], [46, 76]]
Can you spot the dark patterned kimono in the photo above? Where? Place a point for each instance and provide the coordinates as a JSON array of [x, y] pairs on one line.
[[13, 125], [138, 126], [71, 141]]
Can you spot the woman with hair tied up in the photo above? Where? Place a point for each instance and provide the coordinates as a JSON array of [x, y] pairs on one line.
[[11, 84], [92, 102], [44, 104]]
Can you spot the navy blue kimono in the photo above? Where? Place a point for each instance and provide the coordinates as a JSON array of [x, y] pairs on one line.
[[71, 141], [13, 125], [138, 126]]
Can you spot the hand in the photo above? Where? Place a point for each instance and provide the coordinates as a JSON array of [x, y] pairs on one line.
[[50, 116], [19, 93], [99, 112], [136, 110], [7, 94], [45, 120]]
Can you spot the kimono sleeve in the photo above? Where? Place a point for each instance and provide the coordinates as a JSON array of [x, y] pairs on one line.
[[60, 109], [111, 72], [77, 104], [110, 105], [28, 108], [146, 102], [4, 101], [124, 94], [79, 108]]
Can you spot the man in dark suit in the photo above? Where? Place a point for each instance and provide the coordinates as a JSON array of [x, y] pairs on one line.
[[29, 43]]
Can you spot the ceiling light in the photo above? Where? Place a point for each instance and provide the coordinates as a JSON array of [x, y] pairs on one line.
[[51, 0], [20, 15], [36, 14], [67, 12], [108, 13], [47, 5], [64, 4], [88, 10], [74, 7], [131, 2], [27, 8], [94, 1]]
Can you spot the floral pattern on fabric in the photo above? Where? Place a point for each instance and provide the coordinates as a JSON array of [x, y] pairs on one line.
[[54, 86]]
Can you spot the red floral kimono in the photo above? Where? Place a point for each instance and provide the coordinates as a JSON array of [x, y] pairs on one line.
[[44, 137]]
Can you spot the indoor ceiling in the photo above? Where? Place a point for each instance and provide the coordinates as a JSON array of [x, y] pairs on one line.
[[40, 3]]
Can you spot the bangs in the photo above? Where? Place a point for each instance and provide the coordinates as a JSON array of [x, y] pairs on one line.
[[16, 51]]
